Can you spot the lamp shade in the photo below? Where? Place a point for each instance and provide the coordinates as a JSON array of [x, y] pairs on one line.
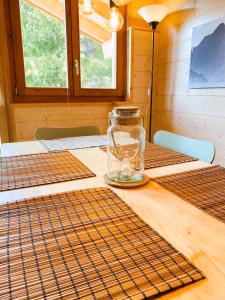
[[153, 13], [114, 20]]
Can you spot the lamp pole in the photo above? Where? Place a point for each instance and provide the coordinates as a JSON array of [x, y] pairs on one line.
[[152, 14], [153, 25]]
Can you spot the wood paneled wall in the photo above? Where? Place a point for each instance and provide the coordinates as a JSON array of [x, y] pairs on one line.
[[198, 113], [28, 117], [139, 58]]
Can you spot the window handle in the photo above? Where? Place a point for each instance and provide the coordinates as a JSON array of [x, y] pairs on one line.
[[76, 66]]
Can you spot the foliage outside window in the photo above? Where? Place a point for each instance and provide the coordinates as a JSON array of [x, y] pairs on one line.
[[44, 48], [95, 70]]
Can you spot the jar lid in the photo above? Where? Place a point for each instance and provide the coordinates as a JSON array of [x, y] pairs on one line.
[[126, 110], [126, 115]]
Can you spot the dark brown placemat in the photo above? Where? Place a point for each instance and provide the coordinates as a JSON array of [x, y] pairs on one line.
[[85, 244], [38, 169], [157, 156], [204, 188]]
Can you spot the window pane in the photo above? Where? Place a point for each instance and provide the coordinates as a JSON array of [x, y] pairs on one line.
[[44, 43], [97, 48]]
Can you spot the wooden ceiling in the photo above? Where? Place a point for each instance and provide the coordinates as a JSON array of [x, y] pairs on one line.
[[92, 25]]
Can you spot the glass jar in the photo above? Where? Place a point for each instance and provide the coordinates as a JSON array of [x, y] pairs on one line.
[[125, 145]]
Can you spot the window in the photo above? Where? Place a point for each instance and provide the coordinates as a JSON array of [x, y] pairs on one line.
[[59, 50], [97, 50], [44, 46], [98, 67]]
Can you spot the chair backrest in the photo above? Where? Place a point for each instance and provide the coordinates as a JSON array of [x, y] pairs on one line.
[[47, 133], [200, 149]]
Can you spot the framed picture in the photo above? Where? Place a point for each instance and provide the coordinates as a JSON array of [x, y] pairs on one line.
[[207, 66]]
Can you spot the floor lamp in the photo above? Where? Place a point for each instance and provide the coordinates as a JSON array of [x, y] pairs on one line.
[[152, 14]]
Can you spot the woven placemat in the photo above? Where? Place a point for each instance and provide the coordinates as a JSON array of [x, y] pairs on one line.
[[157, 156], [70, 143], [204, 188], [85, 244], [38, 169]]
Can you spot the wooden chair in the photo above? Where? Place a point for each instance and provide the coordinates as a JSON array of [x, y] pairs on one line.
[[48, 133], [200, 149]]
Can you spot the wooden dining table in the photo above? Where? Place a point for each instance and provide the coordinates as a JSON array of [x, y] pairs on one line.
[[199, 236]]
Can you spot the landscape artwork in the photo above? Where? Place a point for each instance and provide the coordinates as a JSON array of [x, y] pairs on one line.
[[207, 66]]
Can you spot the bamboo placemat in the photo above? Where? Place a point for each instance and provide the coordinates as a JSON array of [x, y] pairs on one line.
[[157, 156], [204, 188], [85, 244], [70, 143], [38, 169]]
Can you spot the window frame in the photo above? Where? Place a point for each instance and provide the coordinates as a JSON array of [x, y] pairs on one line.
[[74, 93]]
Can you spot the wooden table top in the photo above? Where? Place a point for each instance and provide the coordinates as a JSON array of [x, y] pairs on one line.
[[197, 235]]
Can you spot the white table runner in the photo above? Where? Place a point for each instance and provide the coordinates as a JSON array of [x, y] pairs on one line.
[[71, 143]]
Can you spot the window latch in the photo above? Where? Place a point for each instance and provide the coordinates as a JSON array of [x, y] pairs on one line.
[[76, 65]]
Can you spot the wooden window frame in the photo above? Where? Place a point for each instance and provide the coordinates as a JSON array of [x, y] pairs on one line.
[[74, 93]]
